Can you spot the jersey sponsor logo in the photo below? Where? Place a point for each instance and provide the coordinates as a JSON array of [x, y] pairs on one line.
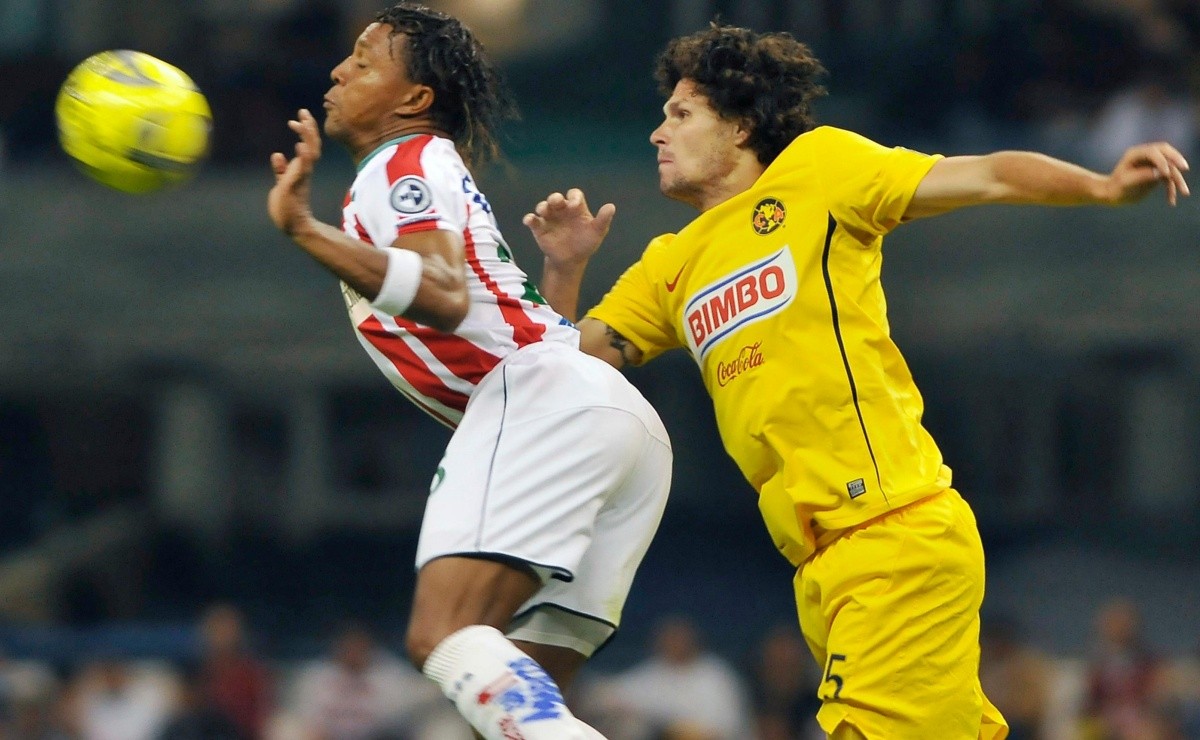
[[768, 215], [469, 189], [411, 195], [672, 283], [747, 359], [751, 294]]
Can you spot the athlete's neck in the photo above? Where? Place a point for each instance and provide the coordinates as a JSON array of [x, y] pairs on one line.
[[360, 150], [738, 180]]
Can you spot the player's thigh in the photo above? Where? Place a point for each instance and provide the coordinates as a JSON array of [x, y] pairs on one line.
[[517, 487], [892, 611], [583, 613], [622, 530]]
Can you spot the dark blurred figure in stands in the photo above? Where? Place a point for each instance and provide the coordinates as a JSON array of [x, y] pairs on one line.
[[28, 691], [235, 681], [1016, 676], [194, 717], [363, 691], [1122, 677], [681, 691], [783, 682], [1178, 692]]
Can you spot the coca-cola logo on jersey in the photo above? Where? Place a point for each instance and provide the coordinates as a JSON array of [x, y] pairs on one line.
[[743, 297], [748, 358]]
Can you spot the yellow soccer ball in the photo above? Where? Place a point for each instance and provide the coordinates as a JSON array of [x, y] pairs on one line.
[[132, 121]]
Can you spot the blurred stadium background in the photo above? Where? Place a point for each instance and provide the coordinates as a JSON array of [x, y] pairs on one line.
[[209, 498]]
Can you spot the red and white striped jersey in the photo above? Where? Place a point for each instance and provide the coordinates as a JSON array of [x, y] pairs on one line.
[[418, 183]]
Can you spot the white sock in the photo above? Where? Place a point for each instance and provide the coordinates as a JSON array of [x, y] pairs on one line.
[[500, 690]]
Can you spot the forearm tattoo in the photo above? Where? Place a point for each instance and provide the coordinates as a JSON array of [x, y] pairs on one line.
[[621, 344]]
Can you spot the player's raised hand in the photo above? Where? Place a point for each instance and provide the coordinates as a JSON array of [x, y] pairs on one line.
[[1143, 167], [288, 202], [566, 230]]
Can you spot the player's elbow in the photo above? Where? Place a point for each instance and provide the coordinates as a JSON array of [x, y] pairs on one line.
[[451, 310], [440, 308], [456, 312]]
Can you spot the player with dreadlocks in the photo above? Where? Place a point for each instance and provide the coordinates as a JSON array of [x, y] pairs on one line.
[[557, 473]]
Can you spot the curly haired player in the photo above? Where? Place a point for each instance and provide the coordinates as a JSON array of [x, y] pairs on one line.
[[775, 291]]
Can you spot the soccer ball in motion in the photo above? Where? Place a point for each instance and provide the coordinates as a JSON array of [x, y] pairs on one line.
[[132, 121]]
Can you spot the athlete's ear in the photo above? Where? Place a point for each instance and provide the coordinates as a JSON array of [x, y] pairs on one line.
[[741, 133], [415, 101]]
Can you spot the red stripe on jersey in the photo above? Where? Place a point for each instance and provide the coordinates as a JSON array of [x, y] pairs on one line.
[[460, 356], [407, 159], [525, 330], [414, 370], [416, 227]]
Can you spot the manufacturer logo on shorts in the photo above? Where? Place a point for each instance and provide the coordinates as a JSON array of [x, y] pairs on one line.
[[768, 215], [741, 298], [411, 195], [748, 358], [856, 487], [439, 475]]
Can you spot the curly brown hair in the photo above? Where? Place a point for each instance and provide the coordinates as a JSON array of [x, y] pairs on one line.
[[766, 80], [470, 99]]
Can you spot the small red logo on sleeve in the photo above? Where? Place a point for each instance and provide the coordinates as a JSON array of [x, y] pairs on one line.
[[672, 283]]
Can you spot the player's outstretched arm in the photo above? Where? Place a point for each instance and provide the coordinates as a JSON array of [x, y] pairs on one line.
[[568, 234], [1037, 179], [421, 277]]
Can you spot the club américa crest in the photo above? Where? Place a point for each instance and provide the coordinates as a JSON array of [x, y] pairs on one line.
[[768, 215]]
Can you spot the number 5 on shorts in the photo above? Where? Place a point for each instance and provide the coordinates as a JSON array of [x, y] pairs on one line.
[[831, 676]]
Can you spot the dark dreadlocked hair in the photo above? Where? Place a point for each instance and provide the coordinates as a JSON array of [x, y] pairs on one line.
[[767, 80], [470, 99]]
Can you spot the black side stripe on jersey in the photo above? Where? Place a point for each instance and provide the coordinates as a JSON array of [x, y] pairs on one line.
[[837, 332]]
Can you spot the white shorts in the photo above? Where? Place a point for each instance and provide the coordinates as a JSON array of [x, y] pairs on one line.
[[561, 464]]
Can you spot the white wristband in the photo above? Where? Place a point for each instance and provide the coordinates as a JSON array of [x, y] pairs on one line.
[[400, 282]]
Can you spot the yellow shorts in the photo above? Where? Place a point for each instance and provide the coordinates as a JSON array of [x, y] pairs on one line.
[[890, 609]]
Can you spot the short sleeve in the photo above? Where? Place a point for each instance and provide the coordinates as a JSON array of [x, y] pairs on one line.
[[632, 307], [419, 187], [867, 186]]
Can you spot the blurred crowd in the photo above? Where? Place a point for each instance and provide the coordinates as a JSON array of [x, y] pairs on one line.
[[1084, 79], [1081, 79], [679, 689]]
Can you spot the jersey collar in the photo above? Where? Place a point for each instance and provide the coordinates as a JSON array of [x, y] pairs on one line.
[[398, 140]]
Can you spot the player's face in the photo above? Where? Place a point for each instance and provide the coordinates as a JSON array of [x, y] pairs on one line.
[[697, 149], [367, 86]]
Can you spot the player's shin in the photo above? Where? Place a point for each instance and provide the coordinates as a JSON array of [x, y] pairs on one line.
[[500, 690]]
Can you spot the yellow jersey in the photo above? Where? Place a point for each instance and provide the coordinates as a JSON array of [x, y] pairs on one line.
[[776, 293]]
